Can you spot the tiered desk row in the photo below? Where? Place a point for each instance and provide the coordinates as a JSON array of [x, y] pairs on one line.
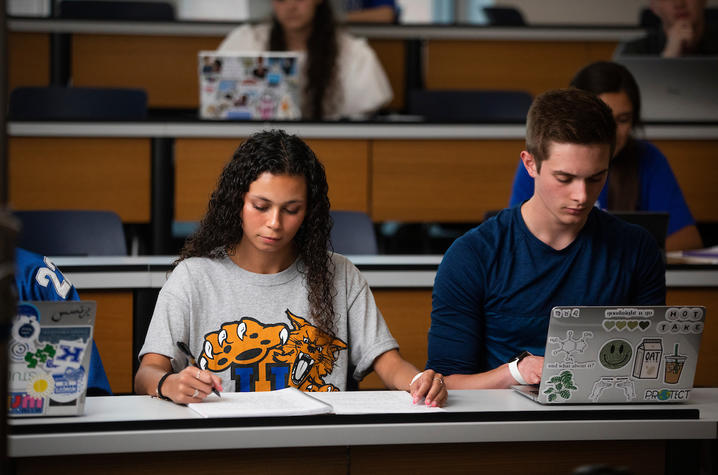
[[159, 171]]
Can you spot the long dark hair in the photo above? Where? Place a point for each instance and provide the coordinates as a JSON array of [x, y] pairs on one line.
[[624, 183], [322, 53], [220, 230]]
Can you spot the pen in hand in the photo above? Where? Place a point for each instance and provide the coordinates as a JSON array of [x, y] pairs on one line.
[[185, 349]]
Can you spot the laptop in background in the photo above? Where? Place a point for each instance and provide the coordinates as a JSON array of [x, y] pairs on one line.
[[654, 222], [626, 354], [676, 89], [49, 358], [249, 86]]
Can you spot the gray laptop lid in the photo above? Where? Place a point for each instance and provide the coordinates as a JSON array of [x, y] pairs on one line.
[[49, 358], [676, 89], [621, 354]]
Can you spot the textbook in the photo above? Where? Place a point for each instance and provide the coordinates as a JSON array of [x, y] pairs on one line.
[[708, 255], [293, 402]]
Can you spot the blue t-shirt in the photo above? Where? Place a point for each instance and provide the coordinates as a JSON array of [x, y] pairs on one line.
[[497, 284], [36, 278], [659, 190]]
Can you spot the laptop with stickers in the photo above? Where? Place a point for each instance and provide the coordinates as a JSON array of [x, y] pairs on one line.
[[249, 86], [639, 354], [49, 358]]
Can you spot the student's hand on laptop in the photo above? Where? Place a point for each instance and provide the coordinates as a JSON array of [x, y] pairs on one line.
[[530, 368]]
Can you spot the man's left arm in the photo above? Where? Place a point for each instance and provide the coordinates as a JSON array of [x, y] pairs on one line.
[[650, 278]]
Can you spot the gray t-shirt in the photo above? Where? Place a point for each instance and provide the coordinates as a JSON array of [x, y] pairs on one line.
[[254, 330]]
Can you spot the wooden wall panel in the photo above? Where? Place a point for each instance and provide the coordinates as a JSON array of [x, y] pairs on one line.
[[392, 55], [407, 313], [441, 180], [198, 163], [165, 66], [706, 374], [81, 173], [637, 456], [693, 163], [113, 336], [28, 59], [533, 66]]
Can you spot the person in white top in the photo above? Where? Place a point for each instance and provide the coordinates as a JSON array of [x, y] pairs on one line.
[[341, 75]]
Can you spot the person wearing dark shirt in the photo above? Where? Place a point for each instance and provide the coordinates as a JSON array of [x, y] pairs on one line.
[[683, 31], [496, 285]]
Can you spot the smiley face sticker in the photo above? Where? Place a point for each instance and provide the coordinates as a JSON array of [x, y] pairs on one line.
[[615, 354]]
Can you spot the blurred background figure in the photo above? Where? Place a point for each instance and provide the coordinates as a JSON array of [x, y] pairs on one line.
[[341, 75], [640, 177], [683, 31], [370, 11]]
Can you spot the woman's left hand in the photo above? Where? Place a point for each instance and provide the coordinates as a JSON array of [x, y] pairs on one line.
[[429, 386]]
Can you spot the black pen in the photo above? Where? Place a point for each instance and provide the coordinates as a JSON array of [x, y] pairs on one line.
[[185, 349]]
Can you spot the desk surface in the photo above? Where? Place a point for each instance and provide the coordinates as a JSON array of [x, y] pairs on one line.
[[140, 424], [204, 28], [405, 271], [308, 130]]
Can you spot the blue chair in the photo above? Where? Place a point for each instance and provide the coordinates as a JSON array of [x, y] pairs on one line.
[[504, 16], [72, 233], [353, 233], [77, 103], [132, 11], [469, 105]]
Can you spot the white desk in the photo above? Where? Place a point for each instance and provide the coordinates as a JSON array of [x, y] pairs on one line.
[[477, 416]]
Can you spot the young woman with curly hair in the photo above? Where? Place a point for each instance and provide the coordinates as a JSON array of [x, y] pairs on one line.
[[341, 75], [260, 299]]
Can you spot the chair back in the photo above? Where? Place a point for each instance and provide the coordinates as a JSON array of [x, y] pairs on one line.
[[99, 10], [504, 16], [353, 233], [470, 105], [72, 233], [77, 103]]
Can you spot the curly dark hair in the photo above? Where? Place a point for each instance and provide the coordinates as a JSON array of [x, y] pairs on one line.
[[322, 53], [220, 230]]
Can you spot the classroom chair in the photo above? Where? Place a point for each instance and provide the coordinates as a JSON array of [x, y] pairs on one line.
[[71, 233], [504, 16], [77, 103], [353, 233], [103, 10], [470, 105]]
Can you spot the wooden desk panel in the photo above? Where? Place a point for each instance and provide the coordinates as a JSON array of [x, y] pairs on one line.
[[28, 59], [81, 173], [165, 66], [441, 180], [392, 55], [113, 336], [198, 163], [533, 66], [408, 315], [693, 163], [706, 374]]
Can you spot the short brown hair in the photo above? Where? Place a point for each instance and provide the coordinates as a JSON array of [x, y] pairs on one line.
[[568, 116]]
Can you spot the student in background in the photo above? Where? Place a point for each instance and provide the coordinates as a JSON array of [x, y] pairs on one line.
[[342, 77], [37, 278], [683, 31], [640, 177], [497, 284], [261, 301]]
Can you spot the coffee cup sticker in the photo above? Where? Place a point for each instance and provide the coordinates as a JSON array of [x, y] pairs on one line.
[[648, 359], [674, 366]]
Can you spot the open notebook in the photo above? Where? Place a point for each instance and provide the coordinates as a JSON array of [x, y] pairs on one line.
[[293, 402]]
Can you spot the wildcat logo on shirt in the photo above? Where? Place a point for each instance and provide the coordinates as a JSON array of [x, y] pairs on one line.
[[265, 357]]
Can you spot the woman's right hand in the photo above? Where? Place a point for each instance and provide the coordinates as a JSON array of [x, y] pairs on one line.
[[190, 385]]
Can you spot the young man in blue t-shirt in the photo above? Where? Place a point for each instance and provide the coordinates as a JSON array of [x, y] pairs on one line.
[[496, 285]]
